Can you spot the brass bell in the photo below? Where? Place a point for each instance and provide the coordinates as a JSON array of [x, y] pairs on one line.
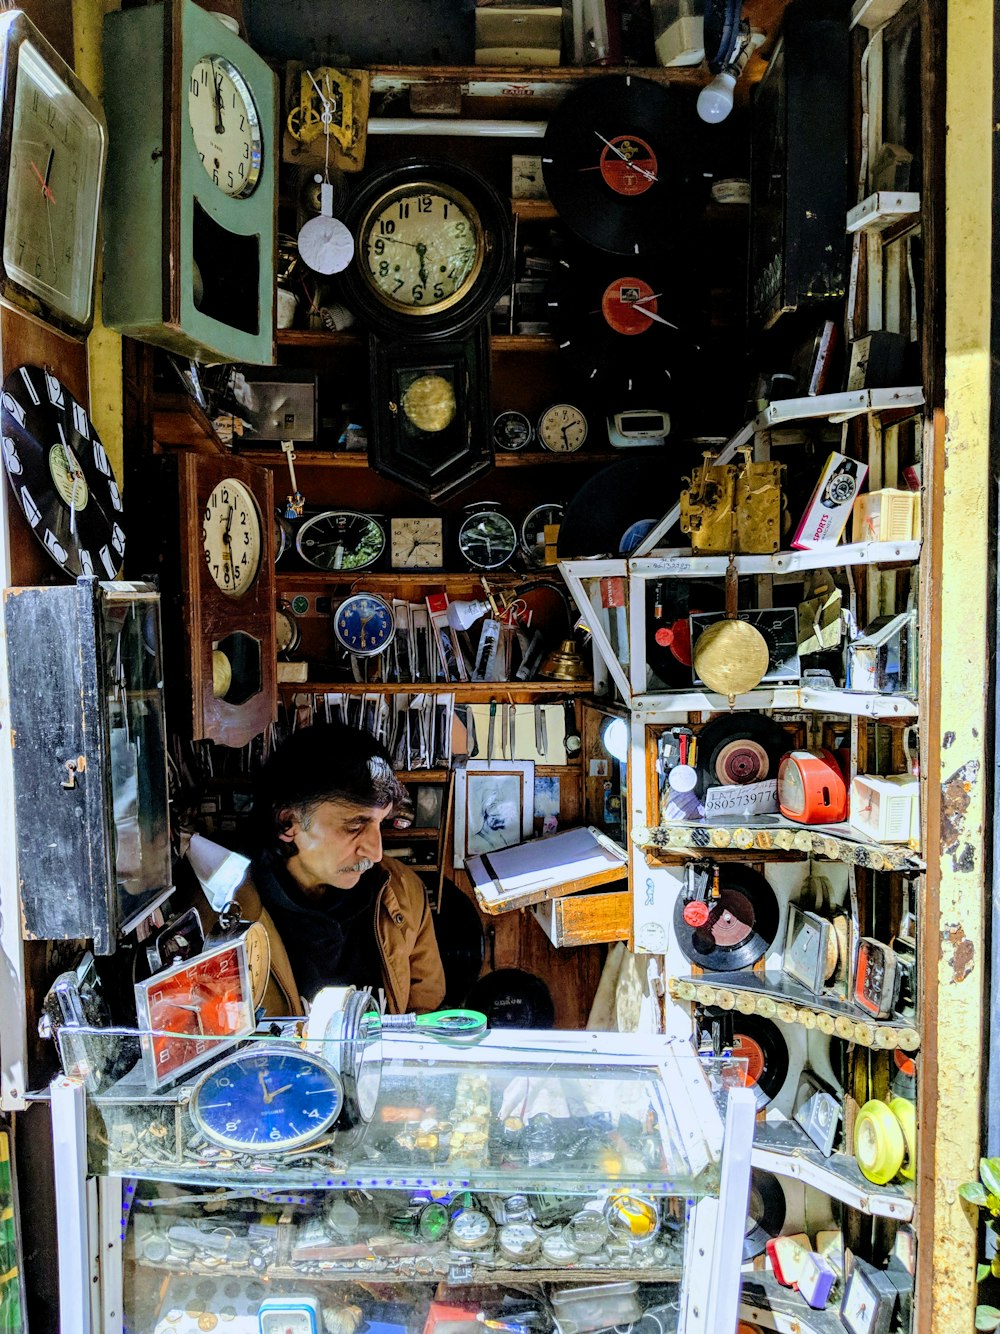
[[565, 663]]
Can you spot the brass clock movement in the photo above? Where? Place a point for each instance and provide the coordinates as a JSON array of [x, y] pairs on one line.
[[190, 218]]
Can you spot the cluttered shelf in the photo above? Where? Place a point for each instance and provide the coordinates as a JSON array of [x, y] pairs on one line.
[[852, 703], [783, 1148], [464, 691], [473, 78], [330, 338], [341, 458], [760, 835], [288, 581]]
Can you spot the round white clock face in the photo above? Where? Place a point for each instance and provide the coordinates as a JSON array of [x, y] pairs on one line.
[[230, 533], [53, 190], [225, 124], [562, 428], [421, 247]]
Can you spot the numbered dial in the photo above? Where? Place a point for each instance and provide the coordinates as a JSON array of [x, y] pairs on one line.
[[225, 124], [364, 625], [267, 1101], [56, 162], [417, 544], [421, 247], [562, 428], [487, 539], [533, 531], [286, 630], [512, 430], [341, 540], [231, 538], [61, 475]]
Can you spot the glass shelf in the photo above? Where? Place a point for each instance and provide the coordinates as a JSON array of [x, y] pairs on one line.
[[519, 1111]]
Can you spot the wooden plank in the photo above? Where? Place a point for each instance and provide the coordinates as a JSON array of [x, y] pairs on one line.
[[585, 919]]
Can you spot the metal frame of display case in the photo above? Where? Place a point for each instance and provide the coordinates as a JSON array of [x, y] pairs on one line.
[[91, 1210]]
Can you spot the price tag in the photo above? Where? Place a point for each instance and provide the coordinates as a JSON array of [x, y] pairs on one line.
[[744, 800]]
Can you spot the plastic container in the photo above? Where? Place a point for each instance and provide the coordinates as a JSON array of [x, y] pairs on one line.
[[580, 1310], [678, 32]]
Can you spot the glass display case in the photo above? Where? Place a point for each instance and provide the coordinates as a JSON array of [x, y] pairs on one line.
[[493, 1182]]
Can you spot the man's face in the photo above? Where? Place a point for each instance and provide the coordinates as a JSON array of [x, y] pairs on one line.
[[336, 844]]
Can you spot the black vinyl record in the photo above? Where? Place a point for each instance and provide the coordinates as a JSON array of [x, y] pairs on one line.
[[512, 998], [761, 1043], [615, 158], [765, 1212], [613, 499], [459, 934], [669, 603], [60, 474], [739, 748], [742, 922]]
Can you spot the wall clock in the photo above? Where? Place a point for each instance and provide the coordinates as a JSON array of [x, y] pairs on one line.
[[190, 193], [487, 539], [227, 595], [417, 544], [430, 412], [432, 249], [364, 625], [341, 540], [53, 139]]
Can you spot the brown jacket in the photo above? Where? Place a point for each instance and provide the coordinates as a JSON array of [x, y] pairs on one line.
[[412, 976]]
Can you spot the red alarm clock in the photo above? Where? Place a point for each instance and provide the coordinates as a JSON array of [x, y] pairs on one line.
[[811, 788]]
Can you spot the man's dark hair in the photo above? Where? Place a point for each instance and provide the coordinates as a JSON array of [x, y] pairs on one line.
[[325, 762]]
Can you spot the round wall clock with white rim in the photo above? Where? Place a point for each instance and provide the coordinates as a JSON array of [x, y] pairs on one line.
[[226, 126], [231, 537]]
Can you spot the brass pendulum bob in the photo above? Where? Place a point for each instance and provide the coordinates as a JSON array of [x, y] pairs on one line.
[[731, 656], [565, 663]]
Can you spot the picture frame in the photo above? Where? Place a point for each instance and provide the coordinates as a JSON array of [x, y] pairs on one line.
[[193, 1011], [494, 806], [428, 804]]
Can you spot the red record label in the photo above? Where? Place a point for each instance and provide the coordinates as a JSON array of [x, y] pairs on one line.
[[741, 761], [754, 1053], [618, 305], [628, 165]]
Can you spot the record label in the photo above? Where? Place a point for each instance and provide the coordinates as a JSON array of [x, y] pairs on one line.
[[628, 165], [744, 1046], [740, 762], [620, 305], [741, 926]]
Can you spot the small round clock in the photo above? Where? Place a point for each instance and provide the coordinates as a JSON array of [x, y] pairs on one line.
[[60, 474], [231, 538], [266, 1099], [364, 624], [341, 540], [487, 539], [55, 167], [432, 248], [562, 428], [286, 630], [533, 531], [226, 125], [512, 430]]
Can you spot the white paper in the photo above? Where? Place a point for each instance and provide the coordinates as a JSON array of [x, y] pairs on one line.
[[744, 800], [545, 862]]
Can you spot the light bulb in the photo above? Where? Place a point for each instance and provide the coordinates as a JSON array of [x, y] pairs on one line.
[[615, 739], [715, 101]]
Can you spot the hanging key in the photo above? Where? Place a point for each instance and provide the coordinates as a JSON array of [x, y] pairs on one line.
[[295, 503]]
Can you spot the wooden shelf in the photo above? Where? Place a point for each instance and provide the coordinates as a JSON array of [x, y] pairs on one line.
[[179, 423], [423, 775], [522, 343], [329, 338], [655, 704], [533, 210], [785, 1149], [884, 210], [307, 580], [464, 691], [481, 80], [774, 996], [342, 458], [757, 838]]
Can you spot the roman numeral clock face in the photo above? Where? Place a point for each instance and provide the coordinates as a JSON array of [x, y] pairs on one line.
[[61, 474]]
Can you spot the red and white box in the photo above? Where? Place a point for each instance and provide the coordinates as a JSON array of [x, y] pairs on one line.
[[831, 503]]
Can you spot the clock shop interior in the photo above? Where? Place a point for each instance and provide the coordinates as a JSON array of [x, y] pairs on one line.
[[496, 667]]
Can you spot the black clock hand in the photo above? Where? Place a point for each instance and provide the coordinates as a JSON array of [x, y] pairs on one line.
[[217, 82], [422, 271]]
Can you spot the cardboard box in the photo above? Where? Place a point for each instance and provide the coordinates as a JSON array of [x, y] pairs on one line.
[[830, 504]]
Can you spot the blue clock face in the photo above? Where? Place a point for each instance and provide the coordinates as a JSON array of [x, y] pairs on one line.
[[364, 624], [266, 1100]]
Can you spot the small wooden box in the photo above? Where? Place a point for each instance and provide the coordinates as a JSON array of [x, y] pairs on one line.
[[585, 919]]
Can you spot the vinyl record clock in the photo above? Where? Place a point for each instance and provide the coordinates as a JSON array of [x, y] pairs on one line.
[[190, 194]]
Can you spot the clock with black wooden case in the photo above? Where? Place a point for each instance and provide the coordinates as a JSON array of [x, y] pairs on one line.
[[432, 249], [53, 139], [341, 540], [227, 590], [430, 412], [190, 195]]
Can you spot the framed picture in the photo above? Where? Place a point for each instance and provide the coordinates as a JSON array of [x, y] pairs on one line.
[[193, 1011], [428, 801], [494, 806]]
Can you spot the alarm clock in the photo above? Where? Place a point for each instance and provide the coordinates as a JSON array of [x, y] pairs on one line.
[[487, 539], [512, 430], [341, 540], [301, 1314], [364, 624], [811, 788], [562, 428]]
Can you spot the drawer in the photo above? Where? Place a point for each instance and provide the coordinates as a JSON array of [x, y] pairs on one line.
[[586, 919]]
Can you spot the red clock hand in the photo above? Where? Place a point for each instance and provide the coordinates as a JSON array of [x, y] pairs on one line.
[[44, 180]]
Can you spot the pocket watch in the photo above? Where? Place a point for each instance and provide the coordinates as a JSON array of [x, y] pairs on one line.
[[471, 1230], [55, 138], [512, 430], [416, 544], [267, 1099], [562, 428], [487, 539], [433, 248], [341, 540], [533, 527], [225, 124], [230, 533], [287, 632], [364, 624]]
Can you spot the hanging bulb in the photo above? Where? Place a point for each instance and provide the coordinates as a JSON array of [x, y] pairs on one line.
[[715, 101]]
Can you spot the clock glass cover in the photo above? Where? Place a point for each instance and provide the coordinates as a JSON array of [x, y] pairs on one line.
[[56, 166], [533, 530], [267, 1099], [562, 428], [512, 430], [364, 624], [225, 124], [341, 540], [416, 543], [421, 247], [487, 539], [231, 537]]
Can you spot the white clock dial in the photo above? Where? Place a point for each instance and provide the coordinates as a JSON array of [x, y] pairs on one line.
[[421, 247], [231, 537], [53, 190], [562, 428], [225, 124]]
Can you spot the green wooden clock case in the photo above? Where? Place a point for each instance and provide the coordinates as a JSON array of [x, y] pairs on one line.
[[187, 265]]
